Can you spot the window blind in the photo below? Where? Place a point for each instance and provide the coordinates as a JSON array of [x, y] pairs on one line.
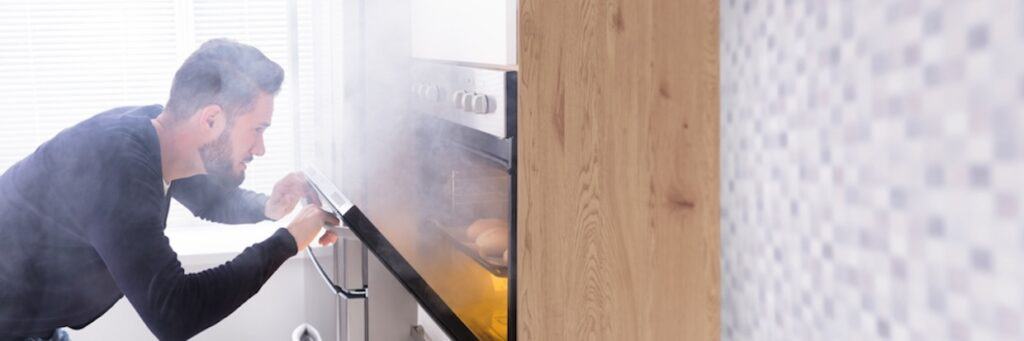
[[64, 61]]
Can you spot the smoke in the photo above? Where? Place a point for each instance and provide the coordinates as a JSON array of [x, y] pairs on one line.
[[400, 164], [379, 129], [397, 161]]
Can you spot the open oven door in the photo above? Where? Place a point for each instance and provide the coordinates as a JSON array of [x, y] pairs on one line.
[[356, 224]]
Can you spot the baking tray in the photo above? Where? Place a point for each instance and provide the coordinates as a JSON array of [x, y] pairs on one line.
[[457, 236]]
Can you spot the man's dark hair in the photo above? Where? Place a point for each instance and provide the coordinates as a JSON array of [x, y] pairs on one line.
[[222, 72]]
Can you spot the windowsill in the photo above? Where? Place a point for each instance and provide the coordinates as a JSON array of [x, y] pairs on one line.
[[219, 243], [218, 238]]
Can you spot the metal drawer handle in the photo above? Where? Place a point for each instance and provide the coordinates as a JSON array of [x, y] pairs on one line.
[[347, 293]]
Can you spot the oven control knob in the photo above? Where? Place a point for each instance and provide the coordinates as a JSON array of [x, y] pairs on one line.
[[467, 102], [480, 104], [425, 91], [432, 93], [457, 98]]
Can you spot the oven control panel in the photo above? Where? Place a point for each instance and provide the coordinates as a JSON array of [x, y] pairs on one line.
[[479, 98]]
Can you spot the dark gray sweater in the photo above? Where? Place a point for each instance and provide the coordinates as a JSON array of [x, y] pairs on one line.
[[82, 223]]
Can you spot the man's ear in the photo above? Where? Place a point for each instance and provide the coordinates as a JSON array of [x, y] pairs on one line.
[[211, 118]]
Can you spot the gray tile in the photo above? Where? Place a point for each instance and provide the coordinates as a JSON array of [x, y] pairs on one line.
[[872, 147], [977, 37]]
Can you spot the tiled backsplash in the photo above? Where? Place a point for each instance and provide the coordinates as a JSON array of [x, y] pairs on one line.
[[873, 170]]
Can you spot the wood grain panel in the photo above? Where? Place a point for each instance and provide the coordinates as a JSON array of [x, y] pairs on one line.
[[618, 170]]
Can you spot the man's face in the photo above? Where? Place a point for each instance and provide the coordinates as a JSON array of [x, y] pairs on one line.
[[226, 157]]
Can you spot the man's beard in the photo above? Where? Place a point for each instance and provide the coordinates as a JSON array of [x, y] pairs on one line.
[[216, 157]]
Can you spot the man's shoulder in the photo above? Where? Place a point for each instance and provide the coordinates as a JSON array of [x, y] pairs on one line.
[[122, 116], [145, 111], [88, 158], [119, 122], [109, 138], [129, 134]]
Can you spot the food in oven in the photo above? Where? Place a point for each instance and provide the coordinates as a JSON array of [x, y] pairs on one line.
[[492, 243], [480, 226], [490, 237]]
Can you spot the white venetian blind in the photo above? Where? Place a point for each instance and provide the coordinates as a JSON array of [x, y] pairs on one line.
[[61, 62], [64, 61]]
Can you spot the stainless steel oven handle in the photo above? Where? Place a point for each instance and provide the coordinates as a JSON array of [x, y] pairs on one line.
[[347, 293], [340, 291]]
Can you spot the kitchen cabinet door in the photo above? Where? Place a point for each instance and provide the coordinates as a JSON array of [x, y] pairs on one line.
[[471, 31]]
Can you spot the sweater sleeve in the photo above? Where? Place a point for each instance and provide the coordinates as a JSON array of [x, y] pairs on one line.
[[212, 202], [127, 233]]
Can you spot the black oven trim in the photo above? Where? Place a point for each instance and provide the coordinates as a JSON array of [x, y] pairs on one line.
[[511, 88]]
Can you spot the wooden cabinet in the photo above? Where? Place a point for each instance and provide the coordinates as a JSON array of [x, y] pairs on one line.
[[618, 196]]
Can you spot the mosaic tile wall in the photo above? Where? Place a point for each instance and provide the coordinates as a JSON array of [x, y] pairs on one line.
[[873, 170]]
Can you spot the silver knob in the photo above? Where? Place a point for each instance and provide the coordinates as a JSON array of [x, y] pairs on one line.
[[432, 93], [467, 102], [480, 104], [457, 98]]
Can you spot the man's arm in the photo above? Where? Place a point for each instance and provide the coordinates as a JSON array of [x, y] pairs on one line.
[[126, 231], [213, 202]]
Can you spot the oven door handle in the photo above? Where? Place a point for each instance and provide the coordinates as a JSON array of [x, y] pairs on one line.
[[338, 290]]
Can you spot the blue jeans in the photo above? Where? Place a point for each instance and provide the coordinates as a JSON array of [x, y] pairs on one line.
[[60, 334]]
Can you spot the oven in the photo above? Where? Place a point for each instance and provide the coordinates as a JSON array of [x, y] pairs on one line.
[[468, 200], [421, 116], [438, 206]]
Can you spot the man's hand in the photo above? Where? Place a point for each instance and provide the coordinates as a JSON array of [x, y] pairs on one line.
[[287, 193], [307, 225]]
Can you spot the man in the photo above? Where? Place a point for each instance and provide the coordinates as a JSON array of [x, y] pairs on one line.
[[82, 218]]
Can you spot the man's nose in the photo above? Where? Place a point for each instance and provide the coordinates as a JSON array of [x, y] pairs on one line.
[[259, 149]]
